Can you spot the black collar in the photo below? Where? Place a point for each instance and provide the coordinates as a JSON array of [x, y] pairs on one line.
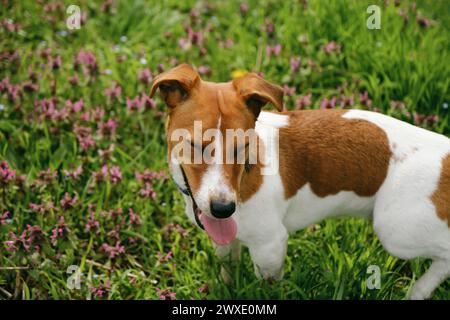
[[187, 191]]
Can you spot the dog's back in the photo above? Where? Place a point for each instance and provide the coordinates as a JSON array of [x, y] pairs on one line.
[[352, 161]]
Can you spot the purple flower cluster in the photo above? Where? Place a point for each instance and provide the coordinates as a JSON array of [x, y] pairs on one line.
[[162, 258], [88, 62], [171, 228], [30, 239], [139, 102], [101, 290], [6, 174], [113, 251], [331, 47], [147, 178], [4, 217], [166, 294], [113, 174], [60, 231]]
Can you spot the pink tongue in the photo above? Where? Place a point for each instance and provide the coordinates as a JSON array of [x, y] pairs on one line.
[[222, 231]]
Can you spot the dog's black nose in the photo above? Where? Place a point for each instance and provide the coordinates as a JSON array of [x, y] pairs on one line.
[[222, 210]]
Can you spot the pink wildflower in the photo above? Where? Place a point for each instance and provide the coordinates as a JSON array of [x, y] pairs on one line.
[[134, 104], [303, 101], [6, 174], [75, 107], [423, 21], [147, 191], [204, 288], [204, 70], [42, 208], [113, 251], [102, 175], [295, 64], [59, 231], [347, 101], [46, 53], [30, 87], [108, 128], [114, 92], [87, 59], [4, 217], [101, 290], [74, 80], [68, 202], [289, 91], [166, 294], [98, 113], [148, 102], [84, 137], [46, 178], [170, 228], [114, 233], [243, 7], [270, 27], [331, 47], [145, 76], [275, 50], [134, 217], [55, 63], [75, 174], [149, 176], [365, 100], [115, 174], [328, 103], [164, 257], [106, 153], [92, 223]]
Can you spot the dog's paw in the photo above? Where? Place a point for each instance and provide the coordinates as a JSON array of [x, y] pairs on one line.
[[418, 293], [417, 296], [270, 277]]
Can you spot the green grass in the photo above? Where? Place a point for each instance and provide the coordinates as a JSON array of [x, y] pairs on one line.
[[399, 62]]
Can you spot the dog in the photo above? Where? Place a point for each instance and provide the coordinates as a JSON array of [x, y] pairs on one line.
[[330, 163]]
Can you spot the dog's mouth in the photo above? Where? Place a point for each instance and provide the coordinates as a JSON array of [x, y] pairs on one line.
[[221, 231]]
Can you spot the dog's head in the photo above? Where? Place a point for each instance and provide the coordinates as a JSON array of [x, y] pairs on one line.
[[201, 115]]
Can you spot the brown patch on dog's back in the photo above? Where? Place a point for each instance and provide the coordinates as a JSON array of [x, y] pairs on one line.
[[332, 154], [441, 197]]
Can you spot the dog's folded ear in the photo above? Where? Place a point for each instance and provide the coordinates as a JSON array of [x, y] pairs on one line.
[[175, 84], [257, 92]]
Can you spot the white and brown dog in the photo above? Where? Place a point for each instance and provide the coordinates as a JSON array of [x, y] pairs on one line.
[[331, 163]]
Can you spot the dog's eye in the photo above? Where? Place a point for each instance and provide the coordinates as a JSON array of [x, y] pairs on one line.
[[239, 150], [247, 166], [197, 146]]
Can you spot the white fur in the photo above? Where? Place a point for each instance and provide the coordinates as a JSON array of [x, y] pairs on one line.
[[404, 217], [272, 119], [213, 186], [177, 175]]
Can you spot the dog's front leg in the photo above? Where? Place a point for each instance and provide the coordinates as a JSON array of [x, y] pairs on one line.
[[268, 257], [229, 255]]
